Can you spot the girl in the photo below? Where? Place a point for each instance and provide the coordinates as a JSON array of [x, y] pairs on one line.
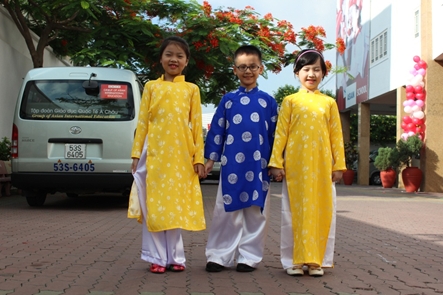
[[168, 161], [308, 155]]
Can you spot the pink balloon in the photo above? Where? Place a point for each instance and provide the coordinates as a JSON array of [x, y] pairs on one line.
[[418, 89], [422, 64], [418, 114], [407, 119], [416, 58], [413, 72], [417, 129], [409, 88], [421, 72], [408, 109], [419, 103], [403, 125], [404, 136], [417, 121], [417, 67], [420, 96], [410, 95], [415, 108], [411, 133]]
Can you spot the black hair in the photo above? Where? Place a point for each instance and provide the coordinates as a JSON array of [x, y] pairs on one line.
[[248, 49], [180, 42], [308, 57]]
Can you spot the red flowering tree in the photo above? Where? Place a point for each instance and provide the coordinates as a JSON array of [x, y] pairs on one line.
[[127, 34]]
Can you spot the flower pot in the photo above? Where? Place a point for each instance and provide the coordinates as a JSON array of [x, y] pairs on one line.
[[348, 177], [412, 177], [388, 177]]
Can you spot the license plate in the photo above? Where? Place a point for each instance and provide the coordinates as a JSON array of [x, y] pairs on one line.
[[74, 167], [75, 151]]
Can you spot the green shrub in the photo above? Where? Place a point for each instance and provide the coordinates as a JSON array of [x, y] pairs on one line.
[[5, 149]]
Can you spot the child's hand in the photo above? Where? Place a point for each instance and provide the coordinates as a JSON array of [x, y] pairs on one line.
[[134, 165], [336, 176], [277, 173], [208, 166], [200, 170]]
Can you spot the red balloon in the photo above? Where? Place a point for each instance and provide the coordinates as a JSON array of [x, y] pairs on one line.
[[417, 67], [409, 88], [422, 64], [417, 121], [410, 95], [418, 89], [416, 58], [411, 127], [407, 119], [420, 96], [403, 125]]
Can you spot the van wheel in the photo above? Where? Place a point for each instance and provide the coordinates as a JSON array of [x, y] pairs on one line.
[[35, 199]]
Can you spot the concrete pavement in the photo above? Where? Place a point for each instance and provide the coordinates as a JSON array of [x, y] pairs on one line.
[[388, 242]]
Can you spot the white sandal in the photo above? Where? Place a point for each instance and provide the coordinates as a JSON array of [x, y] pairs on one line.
[[316, 271], [295, 271]]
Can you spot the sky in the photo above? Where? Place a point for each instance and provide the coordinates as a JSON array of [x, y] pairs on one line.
[[300, 13]]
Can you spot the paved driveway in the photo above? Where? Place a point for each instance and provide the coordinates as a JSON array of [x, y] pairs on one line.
[[388, 242]]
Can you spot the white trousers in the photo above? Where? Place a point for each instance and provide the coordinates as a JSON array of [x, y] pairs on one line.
[[238, 235], [163, 248], [287, 234]]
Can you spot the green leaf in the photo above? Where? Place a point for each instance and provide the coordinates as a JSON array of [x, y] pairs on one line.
[[84, 4]]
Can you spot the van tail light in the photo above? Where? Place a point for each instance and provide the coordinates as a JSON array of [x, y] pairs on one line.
[[14, 145]]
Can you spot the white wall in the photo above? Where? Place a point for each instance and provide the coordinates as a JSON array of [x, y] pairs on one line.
[[398, 18], [15, 62], [437, 25]]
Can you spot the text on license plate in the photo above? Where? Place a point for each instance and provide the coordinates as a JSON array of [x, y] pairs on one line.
[[74, 167], [75, 151]]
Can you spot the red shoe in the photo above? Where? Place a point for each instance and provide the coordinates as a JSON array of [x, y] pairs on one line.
[[155, 268], [176, 268]]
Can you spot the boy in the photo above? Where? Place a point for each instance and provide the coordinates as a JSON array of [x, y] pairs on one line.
[[241, 138]]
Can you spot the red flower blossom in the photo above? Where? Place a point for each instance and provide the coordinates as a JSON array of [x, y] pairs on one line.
[[340, 43], [268, 16], [207, 8]]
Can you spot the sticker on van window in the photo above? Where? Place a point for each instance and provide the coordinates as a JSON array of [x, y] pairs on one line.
[[113, 91]]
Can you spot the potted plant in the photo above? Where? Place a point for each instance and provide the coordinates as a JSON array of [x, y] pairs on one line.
[[387, 161], [5, 149], [406, 151], [351, 155]]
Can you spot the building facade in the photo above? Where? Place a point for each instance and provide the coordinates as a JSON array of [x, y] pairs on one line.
[[15, 62], [382, 37]]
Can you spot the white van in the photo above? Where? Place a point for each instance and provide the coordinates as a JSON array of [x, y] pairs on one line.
[[73, 131]]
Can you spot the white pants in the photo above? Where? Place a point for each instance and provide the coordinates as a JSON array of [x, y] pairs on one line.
[[163, 248], [238, 235], [287, 234]]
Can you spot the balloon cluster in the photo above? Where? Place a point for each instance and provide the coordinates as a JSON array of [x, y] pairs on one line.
[[414, 124]]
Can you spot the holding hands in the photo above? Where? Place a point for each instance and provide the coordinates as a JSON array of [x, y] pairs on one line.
[[277, 173]]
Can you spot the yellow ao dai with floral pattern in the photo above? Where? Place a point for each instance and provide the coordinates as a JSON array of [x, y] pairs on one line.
[[170, 120], [309, 146]]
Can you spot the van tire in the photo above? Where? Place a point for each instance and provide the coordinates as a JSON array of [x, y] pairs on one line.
[[35, 199]]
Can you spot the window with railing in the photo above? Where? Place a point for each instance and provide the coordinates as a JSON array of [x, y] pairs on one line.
[[379, 47]]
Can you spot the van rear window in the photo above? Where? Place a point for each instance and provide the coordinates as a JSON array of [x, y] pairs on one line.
[[68, 100]]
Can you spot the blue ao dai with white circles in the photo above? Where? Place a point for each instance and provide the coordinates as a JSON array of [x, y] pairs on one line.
[[241, 137]]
